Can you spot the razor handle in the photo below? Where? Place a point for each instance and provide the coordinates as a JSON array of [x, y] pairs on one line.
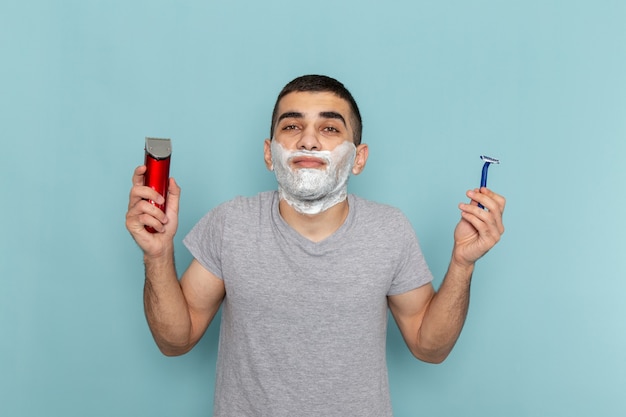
[[157, 160]]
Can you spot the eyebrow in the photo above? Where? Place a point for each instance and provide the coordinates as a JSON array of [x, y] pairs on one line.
[[324, 114], [333, 115], [290, 115]]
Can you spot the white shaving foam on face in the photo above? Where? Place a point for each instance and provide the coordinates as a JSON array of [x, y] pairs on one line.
[[313, 190]]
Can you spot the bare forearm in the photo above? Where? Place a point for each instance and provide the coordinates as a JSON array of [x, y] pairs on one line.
[[446, 314], [165, 305]]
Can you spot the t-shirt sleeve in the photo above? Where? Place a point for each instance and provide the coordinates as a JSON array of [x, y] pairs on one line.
[[412, 271], [205, 239]]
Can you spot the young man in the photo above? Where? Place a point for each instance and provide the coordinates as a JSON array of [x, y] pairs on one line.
[[305, 274]]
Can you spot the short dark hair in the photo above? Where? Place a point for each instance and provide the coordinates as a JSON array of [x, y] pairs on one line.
[[319, 84]]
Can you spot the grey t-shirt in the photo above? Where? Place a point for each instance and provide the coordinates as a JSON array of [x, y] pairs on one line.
[[303, 329]]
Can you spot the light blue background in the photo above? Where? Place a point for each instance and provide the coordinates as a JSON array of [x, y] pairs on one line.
[[539, 84]]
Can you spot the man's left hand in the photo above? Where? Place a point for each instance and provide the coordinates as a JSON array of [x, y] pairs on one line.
[[479, 229]]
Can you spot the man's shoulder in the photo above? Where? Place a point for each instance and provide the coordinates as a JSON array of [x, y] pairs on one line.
[[365, 205], [379, 216], [253, 203], [240, 209]]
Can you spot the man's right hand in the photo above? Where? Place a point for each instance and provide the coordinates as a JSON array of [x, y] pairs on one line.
[[142, 213]]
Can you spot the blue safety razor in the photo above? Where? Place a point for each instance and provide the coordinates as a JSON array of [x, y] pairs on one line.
[[483, 178]]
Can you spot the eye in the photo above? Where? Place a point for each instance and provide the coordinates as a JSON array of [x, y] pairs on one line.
[[290, 127], [331, 129]]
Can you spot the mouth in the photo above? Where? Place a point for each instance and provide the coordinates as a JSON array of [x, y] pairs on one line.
[[308, 162]]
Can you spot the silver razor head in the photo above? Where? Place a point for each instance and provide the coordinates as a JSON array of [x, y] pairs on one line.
[[490, 159], [159, 148]]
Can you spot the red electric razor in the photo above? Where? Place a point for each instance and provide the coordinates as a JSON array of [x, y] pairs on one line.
[[158, 155]]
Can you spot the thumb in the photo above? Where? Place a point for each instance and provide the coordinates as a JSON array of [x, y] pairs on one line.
[[173, 198]]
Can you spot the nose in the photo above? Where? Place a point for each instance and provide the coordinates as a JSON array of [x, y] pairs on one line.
[[309, 140]]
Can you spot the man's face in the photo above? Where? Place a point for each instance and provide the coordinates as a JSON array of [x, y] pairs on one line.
[[313, 121], [312, 150]]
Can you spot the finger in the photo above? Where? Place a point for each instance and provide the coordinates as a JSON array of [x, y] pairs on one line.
[[488, 199], [173, 197], [137, 192], [147, 220], [500, 200], [490, 217], [138, 175], [136, 225], [483, 223], [146, 208], [475, 197], [141, 192], [495, 204], [477, 216]]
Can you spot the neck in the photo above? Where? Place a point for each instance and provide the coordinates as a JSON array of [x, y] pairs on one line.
[[313, 207], [315, 227]]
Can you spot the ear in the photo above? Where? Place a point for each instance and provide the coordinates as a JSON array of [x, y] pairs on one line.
[[267, 154], [362, 152]]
